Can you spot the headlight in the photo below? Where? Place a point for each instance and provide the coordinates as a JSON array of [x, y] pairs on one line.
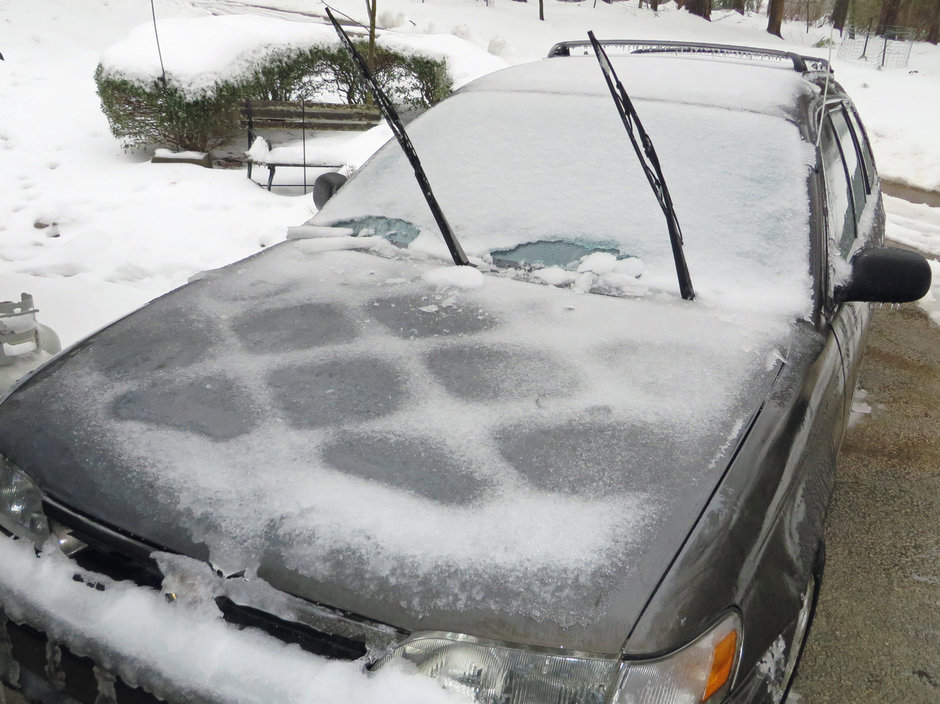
[[21, 505], [494, 674], [703, 671], [488, 673]]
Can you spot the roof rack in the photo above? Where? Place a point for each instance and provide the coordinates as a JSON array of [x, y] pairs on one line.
[[802, 64]]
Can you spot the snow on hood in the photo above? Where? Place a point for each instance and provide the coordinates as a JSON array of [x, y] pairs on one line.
[[418, 453]]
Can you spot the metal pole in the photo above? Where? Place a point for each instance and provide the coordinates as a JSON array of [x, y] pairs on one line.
[[303, 137], [153, 12], [867, 37]]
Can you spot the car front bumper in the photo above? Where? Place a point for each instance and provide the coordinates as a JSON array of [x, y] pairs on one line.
[[69, 634]]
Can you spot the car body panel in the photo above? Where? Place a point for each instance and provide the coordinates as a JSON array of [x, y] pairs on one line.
[[199, 371]]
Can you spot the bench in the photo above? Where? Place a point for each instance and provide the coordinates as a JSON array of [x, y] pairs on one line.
[[281, 120]]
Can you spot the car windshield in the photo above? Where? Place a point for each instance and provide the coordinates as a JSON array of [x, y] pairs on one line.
[[537, 176]]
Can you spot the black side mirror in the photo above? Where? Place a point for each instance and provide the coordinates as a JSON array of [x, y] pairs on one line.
[[325, 187], [886, 275]]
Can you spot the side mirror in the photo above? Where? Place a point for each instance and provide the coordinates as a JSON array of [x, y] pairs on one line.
[[886, 275], [325, 187]]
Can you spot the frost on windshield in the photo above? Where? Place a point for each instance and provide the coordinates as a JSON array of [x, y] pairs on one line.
[[529, 178], [363, 431]]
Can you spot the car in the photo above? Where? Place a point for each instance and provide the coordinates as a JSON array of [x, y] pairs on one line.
[[562, 472]]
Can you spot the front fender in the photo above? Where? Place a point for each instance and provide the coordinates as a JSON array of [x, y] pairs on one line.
[[755, 543]]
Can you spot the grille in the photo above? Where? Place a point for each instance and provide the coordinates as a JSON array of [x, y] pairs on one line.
[[52, 673], [74, 676], [313, 641]]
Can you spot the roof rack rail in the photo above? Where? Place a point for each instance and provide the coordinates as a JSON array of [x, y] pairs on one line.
[[802, 64]]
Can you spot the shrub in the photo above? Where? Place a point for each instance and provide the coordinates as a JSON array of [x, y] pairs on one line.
[[158, 114], [155, 113]]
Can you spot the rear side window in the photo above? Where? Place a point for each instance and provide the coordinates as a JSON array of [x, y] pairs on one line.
[[850, 153], [838, 191], [864, 148]]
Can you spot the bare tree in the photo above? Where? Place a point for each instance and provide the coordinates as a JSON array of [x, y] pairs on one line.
[[840, 11], [738, 6], [775, 17], [889, 15], [702, 8], [371, 9], [933, 34]]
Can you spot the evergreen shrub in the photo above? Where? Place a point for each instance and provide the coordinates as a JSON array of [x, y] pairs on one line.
[[163, 114]]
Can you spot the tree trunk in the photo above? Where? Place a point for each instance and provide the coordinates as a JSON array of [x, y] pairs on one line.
[[542, 10], [738, 6], [933, 34], [702, 8], [840, 10], [775, 17], [654, 4], [888, 16], [370, 8]]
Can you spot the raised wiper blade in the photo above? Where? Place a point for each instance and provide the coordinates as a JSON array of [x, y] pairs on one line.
[[391, 115], [649, 161]]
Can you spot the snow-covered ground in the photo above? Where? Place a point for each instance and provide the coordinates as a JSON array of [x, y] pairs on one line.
[[93, 232]]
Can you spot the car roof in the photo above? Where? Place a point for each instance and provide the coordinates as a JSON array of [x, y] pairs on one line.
[[772, 88]]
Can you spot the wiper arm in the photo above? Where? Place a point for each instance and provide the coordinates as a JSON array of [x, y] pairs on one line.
[[650, 163], [391, 115]]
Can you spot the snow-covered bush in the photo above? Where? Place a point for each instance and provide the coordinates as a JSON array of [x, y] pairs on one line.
[[195, 107], [165, 115]]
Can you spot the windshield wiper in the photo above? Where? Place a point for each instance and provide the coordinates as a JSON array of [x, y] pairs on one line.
[[650, 163], [391, 115]]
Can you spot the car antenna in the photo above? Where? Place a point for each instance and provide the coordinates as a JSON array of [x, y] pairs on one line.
[[391, 116], [650, 163]]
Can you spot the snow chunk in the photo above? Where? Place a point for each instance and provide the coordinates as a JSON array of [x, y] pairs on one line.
[[598, 263], [455, 277]]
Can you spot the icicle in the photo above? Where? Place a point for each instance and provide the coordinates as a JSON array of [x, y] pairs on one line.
[[53, 671], [9, 668], [106, 691]]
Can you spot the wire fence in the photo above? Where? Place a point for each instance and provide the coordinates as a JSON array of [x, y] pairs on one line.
[[890, 49]]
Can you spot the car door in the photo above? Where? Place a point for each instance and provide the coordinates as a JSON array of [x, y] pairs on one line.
[[855, 219]]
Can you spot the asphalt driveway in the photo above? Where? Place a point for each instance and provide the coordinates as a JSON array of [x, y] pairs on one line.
[[876, 637]]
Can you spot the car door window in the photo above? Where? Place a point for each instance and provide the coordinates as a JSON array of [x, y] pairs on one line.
[[850, 155], [841, 210], [861, 139]]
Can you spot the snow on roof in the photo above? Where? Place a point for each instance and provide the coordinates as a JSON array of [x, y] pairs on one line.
[[199, 53], [756, 86], [239, 45]]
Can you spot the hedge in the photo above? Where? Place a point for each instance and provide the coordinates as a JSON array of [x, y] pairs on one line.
[[158, 113]]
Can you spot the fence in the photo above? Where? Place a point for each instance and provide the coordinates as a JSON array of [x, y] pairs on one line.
[[891, 49]]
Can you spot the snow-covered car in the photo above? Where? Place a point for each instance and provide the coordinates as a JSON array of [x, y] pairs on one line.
[[556, 475]]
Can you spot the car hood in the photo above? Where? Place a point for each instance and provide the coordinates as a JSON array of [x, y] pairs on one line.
[[470, 453]]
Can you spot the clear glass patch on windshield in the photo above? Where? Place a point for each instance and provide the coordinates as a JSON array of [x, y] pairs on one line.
[[546, 253], [399, 232]]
